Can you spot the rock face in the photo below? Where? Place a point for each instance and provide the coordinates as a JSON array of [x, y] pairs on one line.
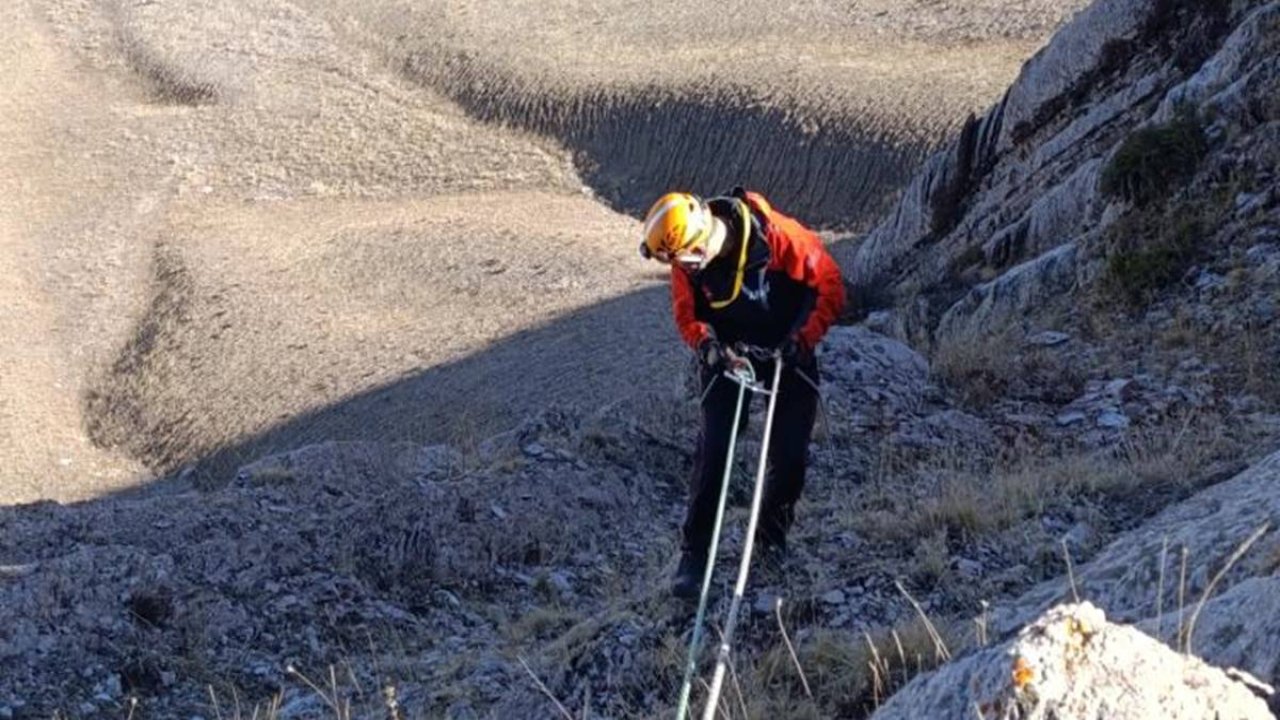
[[1071, 664], [1009, 218], [1001, 302], [1124, 579], [1238, 629], [988, 140]]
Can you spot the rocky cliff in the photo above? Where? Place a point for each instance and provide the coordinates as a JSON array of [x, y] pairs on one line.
[[1134, 159]]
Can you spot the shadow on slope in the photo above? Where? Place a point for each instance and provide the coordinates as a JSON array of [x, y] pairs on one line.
[[830, 166], [588, 357]]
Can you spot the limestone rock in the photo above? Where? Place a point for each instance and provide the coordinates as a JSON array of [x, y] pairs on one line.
[[998, 303], [1240, 628], [1221, 81], [872, 374], [1070, 664], [1073, 51], [986, 148], [1124, 578]]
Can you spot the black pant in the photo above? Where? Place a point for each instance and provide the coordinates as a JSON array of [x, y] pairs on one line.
[[788, 447]]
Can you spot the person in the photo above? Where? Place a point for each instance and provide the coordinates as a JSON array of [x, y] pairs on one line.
[[743, 273]]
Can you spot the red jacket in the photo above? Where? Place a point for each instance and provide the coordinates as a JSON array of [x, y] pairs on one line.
[[790, 284]]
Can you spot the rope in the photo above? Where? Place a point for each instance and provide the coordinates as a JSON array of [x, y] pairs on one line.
[[744, 568], [702, 400], [826, 419], [755, 352], [696, 641], [743, 374]]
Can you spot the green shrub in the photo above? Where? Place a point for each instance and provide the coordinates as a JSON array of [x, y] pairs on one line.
[[1153, 160], [1151, 251]]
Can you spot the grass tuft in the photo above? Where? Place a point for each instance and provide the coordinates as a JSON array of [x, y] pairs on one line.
[[957, 501], [848, 675], [981, 370], [1149, 254]]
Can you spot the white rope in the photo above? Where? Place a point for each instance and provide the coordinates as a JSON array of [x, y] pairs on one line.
[[695, 642], [744, 568]]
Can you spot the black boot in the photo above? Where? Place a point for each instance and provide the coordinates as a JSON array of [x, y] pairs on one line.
[[771, 561], [771, 549], [771, 535], [688, 580]]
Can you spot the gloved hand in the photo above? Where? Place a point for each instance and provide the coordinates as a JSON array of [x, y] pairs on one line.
[[795, 351], [711, 354]]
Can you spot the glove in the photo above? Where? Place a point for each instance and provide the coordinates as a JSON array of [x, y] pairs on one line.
[[795, 351], [711, 354]]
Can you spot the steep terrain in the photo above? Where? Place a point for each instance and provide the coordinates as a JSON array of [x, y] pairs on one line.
[[1131, 169], [72, 194], [356, 280]]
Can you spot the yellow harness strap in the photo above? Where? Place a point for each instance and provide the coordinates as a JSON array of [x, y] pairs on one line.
[[742, 259]]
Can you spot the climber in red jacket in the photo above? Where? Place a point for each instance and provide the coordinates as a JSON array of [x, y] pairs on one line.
[[744, 273]]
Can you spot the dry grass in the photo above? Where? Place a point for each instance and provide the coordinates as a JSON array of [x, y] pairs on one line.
[[542, 623], [959, 501], [980, 370], [334, 694], [849, 674]]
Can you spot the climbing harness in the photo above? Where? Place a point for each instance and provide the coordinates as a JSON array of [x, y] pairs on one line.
[[742, 372]]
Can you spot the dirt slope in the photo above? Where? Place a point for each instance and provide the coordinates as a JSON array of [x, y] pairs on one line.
[[828, 103], [242, 226], [71, 194]]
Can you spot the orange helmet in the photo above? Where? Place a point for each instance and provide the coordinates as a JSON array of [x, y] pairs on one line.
[[677, 227]]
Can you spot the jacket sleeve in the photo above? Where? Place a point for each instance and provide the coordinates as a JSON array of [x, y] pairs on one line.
[[682, 306], [799, 252]]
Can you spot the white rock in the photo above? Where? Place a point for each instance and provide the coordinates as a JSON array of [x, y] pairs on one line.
[[1068, 419], [833, 597], [1048, 338], [1113, 420], [764, 603], [994, 305], [1072, 664], [870, 372]]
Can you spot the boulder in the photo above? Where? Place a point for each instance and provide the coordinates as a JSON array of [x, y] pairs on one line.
[[872, 375], [1071, 663], [1238, 629]]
